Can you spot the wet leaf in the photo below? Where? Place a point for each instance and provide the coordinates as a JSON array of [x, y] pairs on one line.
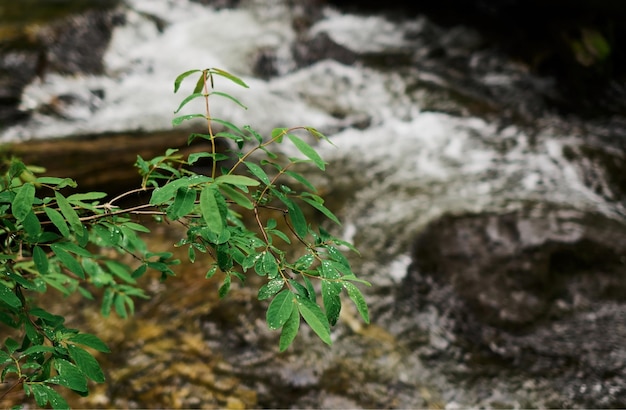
[[86, 363], [308, 151], [23, 201], [290, 330], [315, 318], [359, 301], [210, 210], [280, 309]]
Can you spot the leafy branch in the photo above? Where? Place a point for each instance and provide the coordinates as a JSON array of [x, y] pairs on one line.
[[52, 239]]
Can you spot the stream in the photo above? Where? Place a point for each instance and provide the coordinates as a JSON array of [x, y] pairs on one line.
[[491, 226]]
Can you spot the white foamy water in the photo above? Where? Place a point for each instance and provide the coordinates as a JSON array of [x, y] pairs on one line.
[[404, 170], [407, 168]]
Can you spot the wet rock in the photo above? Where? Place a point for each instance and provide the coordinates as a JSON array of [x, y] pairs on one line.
[[37, 49], [538, 292], [320, 47], [65, 55]]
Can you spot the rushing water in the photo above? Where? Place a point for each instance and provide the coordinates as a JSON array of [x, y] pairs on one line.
[[415, 138]]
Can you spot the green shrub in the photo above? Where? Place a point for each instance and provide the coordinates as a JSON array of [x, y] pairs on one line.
[[54, 239]]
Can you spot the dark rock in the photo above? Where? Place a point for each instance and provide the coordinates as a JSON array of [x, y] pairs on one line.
[[64, 54], [320, 47], [68, 45], [219, 4], [17, 69], [538, 292], [265, 64]]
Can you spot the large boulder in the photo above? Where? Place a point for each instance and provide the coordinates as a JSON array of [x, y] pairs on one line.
[[538, 292]]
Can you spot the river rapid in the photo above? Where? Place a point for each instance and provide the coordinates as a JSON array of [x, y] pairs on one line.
[[491, 227]]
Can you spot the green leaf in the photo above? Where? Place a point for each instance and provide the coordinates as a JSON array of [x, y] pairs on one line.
[[315, 318], [280, 309], [359, 301], [58, 182], [331, 300], [295, 214], [297, 219], [270, 288], [69, 376], [223, 290], [87, 196], [266, 265], [191, 254], [301, 180], [183, 204], [32, 226], [228, 75], [258, 172], [318, 135], [302, 290], [89, 340], [278, 134], [107, 302], [322, 209], [210, 210], [59, 222], [211, 272], [308, 151], [136, 227], [7, 296], [11, 344], [179, 120], [236, 180], [230, 97], [290, 330], [86, 363], [68, 260], [336, 255], [51, 319], [187, 99], [73, 248], [236, 196], [119, 303], [69, 213], [37, 349], [44, 394], [23, 201], [120, 270], [195, 156], [181, 77], [304, 262], [41, 260]]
